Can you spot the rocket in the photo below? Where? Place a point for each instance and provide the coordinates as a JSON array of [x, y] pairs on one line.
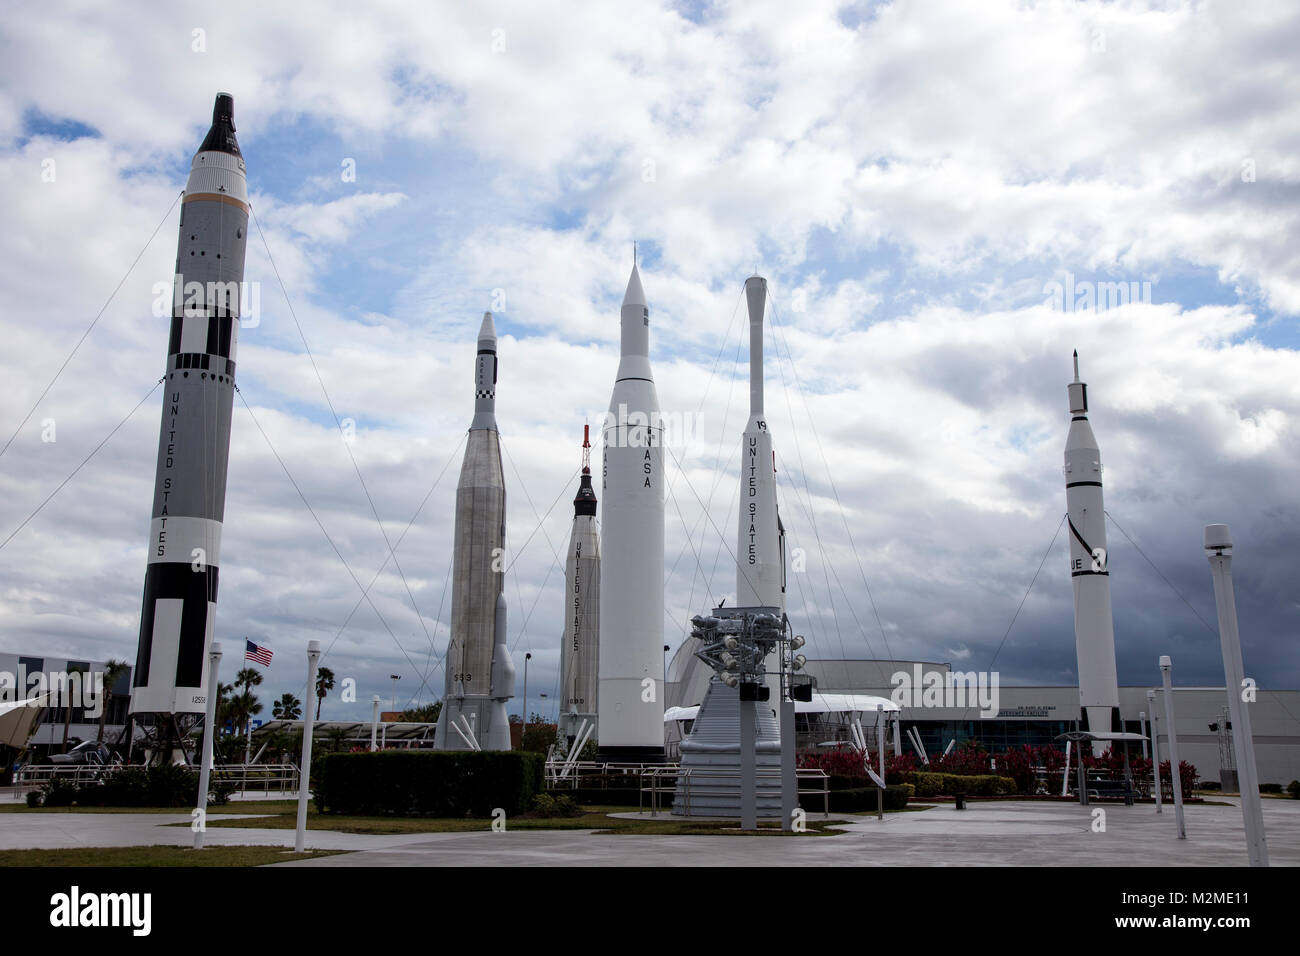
[[580, 647], [1094, 628], [630, 709], [189, 498], [480, 676], [759, 577]]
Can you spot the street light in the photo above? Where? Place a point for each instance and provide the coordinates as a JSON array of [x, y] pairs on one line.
[[394, 678], [209, 738], [1166, 668]]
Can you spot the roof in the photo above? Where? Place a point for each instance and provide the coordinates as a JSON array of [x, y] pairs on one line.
[[820, 704], [404, 730]]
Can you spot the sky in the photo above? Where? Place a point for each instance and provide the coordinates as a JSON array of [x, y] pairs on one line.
[[911, 178]]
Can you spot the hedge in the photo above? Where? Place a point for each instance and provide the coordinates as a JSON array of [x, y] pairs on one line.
[[984, 785], [428, 782]]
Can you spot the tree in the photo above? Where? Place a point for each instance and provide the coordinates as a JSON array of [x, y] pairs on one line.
[[288, 707], [324, 684], [428, 714], [223, 705], [113, 671]]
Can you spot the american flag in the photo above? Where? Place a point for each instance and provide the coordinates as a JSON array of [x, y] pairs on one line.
[[257, 654]]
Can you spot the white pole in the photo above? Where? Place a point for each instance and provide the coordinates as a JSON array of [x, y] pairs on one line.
[[304, 773], [1155, 748], [1065, 778], [880, 746], [374, 723], [1219, 543], [209, 725], [1166, 666], [1142, 721]]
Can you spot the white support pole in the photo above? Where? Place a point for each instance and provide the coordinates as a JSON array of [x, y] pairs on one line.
[[880, 747], [1142, 721], [898, 742], [304, 773], [1166, 668], [374, 723], [209, 743], [1218, 546], [1155, 748], [1065, 777]]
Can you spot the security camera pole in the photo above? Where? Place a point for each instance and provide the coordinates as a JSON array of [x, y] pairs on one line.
[[1218, 548], [1166, 668]]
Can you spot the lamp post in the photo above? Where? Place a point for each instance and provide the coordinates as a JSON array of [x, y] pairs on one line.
[[1166, 668], [1218, 548], [209, 742], [394, 678], [304, 772], [374, 723]]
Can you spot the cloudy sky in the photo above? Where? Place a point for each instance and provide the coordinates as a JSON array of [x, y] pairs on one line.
[[911, 177]]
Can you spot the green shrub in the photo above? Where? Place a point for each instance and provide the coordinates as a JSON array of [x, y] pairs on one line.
[[951, 784], [1266, 787], [58, 793], [1293, 788], [428, 782], [552, 804], [35, 798]]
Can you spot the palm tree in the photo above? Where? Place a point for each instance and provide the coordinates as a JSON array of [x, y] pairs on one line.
[[248, 678], [287, 707], [324, 684], [223, 705], [113, 671]]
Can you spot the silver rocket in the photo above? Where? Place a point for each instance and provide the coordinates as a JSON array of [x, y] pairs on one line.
[[580, 647], [480, 673], [189, 499], [759, 578], [630, 707], [1094, 628]]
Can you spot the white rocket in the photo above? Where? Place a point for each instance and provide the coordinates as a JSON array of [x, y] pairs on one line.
[[759, 581], [480, 674], [189, 497], [580, 646], [630, 707], [1094, 629]]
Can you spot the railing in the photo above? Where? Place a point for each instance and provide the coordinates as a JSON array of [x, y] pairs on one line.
[[74, 773], [257, 778], [655, 781], [591, 768]]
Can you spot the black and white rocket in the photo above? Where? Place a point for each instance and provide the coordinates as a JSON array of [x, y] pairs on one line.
[[1094, 628], [630, 705], [759, 578], [480, 676], [189, 499], [580, 646]]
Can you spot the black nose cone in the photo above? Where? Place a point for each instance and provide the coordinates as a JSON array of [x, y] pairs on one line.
[[221, 137]]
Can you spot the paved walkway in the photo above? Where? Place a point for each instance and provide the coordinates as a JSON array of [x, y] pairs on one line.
[[987, 834]]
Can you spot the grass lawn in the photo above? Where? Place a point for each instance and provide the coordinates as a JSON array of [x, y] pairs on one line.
[[158, 856], [593, 818]]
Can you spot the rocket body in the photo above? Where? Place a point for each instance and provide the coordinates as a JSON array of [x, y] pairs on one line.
[[184, 553], [580, 647], [1094, 629], [630, 706], [759, 581], [479, 672]]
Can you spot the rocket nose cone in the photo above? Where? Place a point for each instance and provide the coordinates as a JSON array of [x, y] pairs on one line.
[[221, 135], [634, 295], [487, 330], [756, 297]]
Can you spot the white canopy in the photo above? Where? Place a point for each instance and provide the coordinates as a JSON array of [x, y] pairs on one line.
[[820, 704], [18, 717]]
